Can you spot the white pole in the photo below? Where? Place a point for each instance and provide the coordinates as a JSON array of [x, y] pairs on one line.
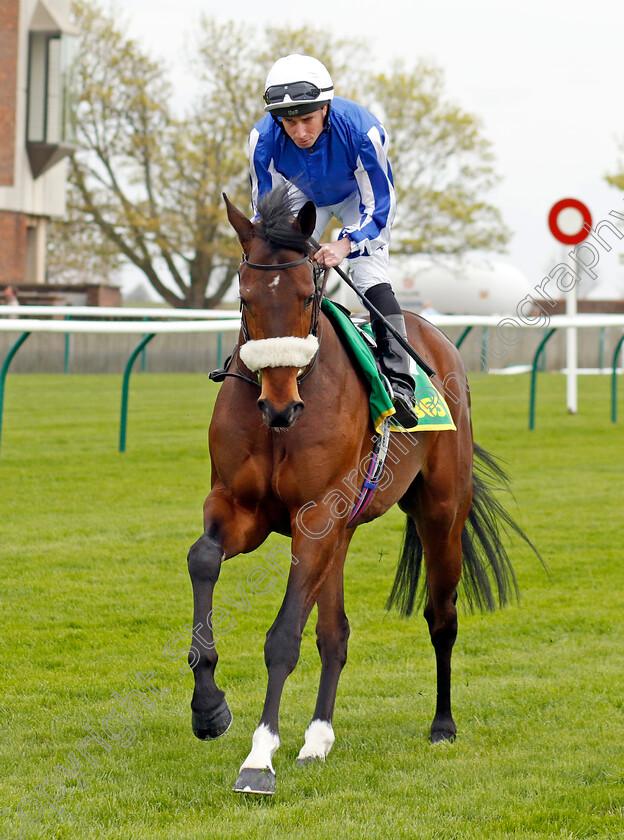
[[571, 347]]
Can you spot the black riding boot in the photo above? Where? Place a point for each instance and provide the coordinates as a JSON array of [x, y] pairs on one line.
[[394, 363]]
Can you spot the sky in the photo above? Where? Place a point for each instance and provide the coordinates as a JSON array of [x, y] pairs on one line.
[[544, 77]]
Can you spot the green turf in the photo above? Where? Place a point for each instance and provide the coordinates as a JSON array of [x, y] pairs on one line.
[[94, 586]]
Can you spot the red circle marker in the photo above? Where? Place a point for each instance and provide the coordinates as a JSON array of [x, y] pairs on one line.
[[553, 217]]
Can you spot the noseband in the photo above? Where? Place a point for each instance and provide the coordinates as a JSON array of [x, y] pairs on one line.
[[307, 366]]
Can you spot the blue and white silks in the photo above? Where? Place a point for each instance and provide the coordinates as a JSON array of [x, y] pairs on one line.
[[346, 174]]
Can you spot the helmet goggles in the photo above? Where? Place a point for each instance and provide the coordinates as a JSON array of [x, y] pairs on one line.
[[296, 91]]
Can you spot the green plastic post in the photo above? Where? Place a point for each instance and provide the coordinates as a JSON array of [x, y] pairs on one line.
[[614, 382], [462, 337], [5, 370], [67, 346], [124, 391], [536, 358]]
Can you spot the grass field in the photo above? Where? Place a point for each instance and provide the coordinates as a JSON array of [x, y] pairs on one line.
[[94, 588]]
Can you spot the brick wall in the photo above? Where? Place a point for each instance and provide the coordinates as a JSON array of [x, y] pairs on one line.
[[9, 17], [12, 247], [102, 295]]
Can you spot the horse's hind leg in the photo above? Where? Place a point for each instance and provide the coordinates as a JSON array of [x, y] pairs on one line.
[[332, 635], [440, 522], [441, 616]]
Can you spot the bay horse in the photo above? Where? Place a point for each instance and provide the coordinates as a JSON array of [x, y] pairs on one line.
[[278, 458]]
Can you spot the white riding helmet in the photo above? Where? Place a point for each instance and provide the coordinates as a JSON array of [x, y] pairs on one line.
[[297, 85]]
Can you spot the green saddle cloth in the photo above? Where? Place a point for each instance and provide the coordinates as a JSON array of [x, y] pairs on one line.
[[430, 406]]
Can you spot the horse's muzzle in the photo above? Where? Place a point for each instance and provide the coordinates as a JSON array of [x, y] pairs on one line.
[[280, 419]]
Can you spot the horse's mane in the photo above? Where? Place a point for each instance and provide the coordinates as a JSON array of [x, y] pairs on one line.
[[275, 224]]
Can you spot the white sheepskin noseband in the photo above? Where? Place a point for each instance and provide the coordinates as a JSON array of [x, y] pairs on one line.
[[287, 351]]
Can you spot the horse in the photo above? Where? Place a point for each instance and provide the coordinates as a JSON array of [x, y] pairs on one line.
[[277, 461]]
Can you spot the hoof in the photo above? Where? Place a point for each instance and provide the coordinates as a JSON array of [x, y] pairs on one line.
[[443, 728], [210, 725], [255, 781], [310, 759], [443, 734]]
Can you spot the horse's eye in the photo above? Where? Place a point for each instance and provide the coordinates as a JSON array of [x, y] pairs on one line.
[[309, 300]]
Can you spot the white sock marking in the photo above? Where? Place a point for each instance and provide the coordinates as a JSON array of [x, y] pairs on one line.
[[263, 746], [319, 739]]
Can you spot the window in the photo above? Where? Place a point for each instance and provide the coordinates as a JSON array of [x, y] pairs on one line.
[[50, 131]]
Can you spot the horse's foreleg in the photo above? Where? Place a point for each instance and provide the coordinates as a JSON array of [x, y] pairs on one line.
[[228, 531], [332, 635], [211, 715], [308, 570], [281, 653]]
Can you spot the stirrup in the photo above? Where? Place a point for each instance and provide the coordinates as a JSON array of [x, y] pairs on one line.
[[404, 414]]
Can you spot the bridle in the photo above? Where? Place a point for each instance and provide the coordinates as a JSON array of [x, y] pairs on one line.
[[278, 266], [319, 287], [319, 290]]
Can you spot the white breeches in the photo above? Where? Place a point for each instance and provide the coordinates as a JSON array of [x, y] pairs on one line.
[[366, 271]]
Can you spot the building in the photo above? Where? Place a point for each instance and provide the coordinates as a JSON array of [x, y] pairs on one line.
[[37, 47]]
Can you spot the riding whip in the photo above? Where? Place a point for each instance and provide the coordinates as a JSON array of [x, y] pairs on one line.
[[374, 311]]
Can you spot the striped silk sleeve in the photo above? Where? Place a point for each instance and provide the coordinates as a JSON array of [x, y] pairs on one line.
[[377, 198]]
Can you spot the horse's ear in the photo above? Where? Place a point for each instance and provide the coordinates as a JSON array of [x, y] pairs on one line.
[[306, 218], [241, 224]]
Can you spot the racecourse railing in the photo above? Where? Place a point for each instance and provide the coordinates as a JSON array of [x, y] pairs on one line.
[[149, 322], [86, 319]]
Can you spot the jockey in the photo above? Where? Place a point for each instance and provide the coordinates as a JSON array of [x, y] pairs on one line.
[[333, 152]]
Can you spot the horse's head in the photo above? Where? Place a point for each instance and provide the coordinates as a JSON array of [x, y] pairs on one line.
[[278, 301]]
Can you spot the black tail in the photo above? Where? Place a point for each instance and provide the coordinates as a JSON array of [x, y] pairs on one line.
[[487, 575]]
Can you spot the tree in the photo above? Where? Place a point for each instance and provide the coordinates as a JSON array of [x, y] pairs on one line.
[[616, 179], [78, 253], [442, 164], [149, 181]]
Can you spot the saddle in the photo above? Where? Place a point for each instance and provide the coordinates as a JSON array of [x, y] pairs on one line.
[[357, 337]]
